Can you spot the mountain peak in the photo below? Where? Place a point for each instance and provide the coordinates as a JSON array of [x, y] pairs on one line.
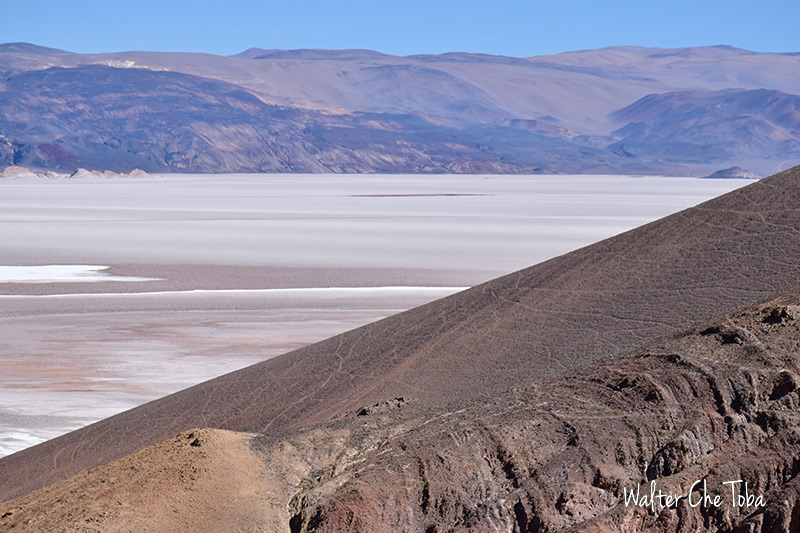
[[28, 48], [253, 52]]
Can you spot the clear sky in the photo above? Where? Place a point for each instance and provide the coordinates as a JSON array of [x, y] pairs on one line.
[[507, 27]]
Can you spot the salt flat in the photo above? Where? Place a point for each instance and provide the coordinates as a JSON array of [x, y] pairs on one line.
[[229, 268], [60, 274]]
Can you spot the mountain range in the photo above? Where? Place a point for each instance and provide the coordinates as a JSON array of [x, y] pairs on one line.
[[631, 110]]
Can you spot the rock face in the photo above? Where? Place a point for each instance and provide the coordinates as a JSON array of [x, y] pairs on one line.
[[560, 455], [619, 110]]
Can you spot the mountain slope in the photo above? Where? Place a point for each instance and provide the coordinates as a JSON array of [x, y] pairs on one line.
[[539, 323], [718, 402], [720, 125]]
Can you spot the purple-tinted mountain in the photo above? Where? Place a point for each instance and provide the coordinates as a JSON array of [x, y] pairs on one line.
[[590, 111], [717, 125], [104, 117], [28, 48]]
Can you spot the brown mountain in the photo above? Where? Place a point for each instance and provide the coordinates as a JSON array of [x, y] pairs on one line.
[[541, 323], [717, 403]]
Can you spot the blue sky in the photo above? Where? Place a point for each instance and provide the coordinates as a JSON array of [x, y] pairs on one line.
[[516, 28]]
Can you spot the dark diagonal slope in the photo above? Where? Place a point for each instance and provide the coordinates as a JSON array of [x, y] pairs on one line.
[[541, 322], [716, 403]]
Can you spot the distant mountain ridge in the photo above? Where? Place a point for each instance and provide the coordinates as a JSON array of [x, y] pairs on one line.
[[730, 123], [202, 125], [687, 111]]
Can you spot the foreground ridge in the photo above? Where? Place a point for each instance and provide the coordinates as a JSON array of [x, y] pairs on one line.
[[541, 323], [718, 403]]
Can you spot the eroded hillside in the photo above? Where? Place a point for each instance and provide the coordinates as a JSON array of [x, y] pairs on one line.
[[717, 403]]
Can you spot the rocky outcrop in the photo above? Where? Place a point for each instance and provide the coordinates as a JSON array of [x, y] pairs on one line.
[[733, 173], [14, 172], [108, 174], [563, 455]]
